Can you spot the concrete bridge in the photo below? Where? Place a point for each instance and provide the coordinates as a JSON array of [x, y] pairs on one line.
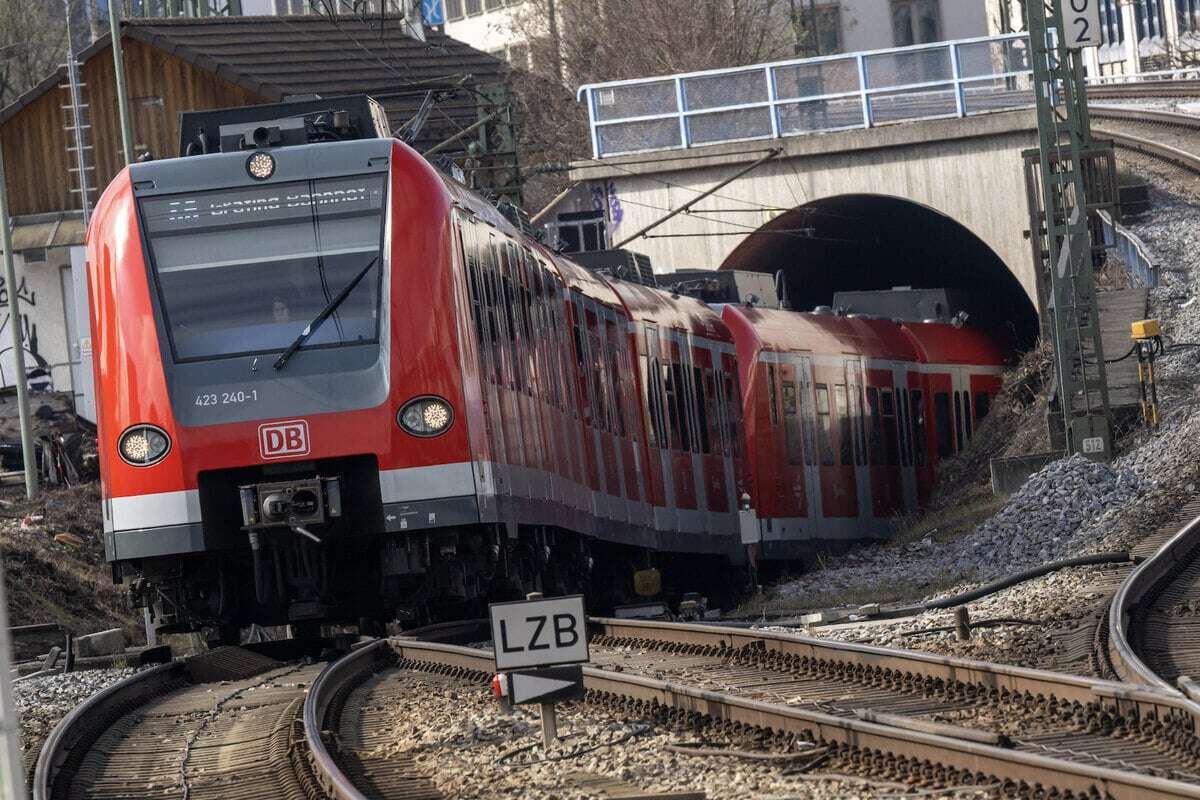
[[930, 203], [889, 168]]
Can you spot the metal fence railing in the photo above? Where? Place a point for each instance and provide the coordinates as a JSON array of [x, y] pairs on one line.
[[1140, 264], [790, 98]]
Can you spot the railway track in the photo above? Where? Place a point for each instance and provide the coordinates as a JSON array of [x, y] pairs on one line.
[[1164, 136], [216, 726], [1154, 618], [929, 720], [1165, 88]]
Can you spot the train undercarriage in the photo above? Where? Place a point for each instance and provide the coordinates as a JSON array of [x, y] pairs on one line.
[[409, 579]]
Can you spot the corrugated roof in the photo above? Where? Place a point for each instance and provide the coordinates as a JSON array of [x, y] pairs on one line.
[[282, 56]]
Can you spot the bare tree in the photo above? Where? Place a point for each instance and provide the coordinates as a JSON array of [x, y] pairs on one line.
[[33, 42], [572, 42]]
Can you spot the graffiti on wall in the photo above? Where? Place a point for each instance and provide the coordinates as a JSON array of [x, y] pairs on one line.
[[37, 369], [605, 200]]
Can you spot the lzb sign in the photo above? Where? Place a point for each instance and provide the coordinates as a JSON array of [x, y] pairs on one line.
[[1082, 19], [535, 633]]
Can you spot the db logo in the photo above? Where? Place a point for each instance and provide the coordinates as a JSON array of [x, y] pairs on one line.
[[283, 439]]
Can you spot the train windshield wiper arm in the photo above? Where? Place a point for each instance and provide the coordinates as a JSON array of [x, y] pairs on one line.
[[311, 327]]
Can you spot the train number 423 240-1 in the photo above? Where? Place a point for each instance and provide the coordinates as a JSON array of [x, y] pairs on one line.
[[227, 398]]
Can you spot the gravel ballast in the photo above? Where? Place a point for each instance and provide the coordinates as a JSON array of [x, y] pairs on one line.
[[1070, 508]]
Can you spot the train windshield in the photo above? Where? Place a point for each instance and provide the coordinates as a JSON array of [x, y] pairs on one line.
[[243, 270]]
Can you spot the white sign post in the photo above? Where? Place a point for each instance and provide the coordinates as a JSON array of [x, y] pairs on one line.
[[537, 637], [1082, 21]]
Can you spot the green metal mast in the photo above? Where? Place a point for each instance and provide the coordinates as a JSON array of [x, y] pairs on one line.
[[1064, 130]]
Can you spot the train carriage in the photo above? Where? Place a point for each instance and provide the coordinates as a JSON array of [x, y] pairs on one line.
[[334, 384], [847, 417]]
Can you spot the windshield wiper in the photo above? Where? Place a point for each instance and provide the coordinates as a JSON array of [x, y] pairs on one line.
[[311, 327]]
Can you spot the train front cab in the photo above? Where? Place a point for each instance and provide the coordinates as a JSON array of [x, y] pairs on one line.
[[201, 276]]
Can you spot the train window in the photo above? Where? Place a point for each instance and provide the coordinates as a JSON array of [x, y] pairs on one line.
[[824, 425], [250, 282], [714, 413], [595, 369], [941, 424], [958, 420], [890, 433], [703, 409], [809, 421], [791, 424], [492, 294], [771, 399], [733, 400], [860, 424], [983, 404], [677, 407], [917, 409], [615, 376], [581, 368], [844, 422], [876, 429]]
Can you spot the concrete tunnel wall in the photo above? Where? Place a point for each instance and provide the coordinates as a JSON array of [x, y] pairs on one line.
[[864, 241], [958, 184]]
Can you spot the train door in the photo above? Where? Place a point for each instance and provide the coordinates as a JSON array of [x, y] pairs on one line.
[[941, 411], [662, 481], [562, 315], [964, 418], [883, 444], [805, 392], [607, 452], [479, 260], [505, 350], [708, 425], [858, 425], [618, 430], [475, 388], [730, 402], [625, 388], [922, 444], [789, 496], [587, 404], [835, 444], [908, 475], [676, 386]]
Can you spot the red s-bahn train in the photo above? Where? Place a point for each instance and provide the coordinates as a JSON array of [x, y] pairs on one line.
[[335, 384]]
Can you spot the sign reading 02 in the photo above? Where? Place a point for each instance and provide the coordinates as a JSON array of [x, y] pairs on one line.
[[1082, 21]]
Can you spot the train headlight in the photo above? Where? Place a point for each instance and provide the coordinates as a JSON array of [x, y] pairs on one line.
[[261, 165], [143, 445], [425, 416]]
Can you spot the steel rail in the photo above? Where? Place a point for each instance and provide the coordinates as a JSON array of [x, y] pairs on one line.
[[1024, 681], [79, 729], [1149, 147], [1028, 771], [1157, 88], [1140, 590]]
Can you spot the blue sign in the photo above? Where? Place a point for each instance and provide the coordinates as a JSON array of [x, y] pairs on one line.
[[433, 12]]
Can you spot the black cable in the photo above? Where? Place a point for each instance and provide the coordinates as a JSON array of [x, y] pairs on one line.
[[1132, 350]]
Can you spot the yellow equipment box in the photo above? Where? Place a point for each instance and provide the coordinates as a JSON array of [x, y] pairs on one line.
[[1146, 329]]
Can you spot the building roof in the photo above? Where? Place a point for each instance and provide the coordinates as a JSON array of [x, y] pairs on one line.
[[278, 56]]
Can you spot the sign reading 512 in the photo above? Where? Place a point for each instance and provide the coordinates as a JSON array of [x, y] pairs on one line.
[[1082, 18]]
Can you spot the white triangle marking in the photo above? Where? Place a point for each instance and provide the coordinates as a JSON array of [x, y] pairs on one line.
[[526, 686]]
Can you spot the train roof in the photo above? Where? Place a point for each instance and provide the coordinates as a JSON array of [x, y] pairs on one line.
[[682, 313], [786, 331], [941, 343]]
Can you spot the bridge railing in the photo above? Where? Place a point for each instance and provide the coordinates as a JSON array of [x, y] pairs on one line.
[[813, 95]]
